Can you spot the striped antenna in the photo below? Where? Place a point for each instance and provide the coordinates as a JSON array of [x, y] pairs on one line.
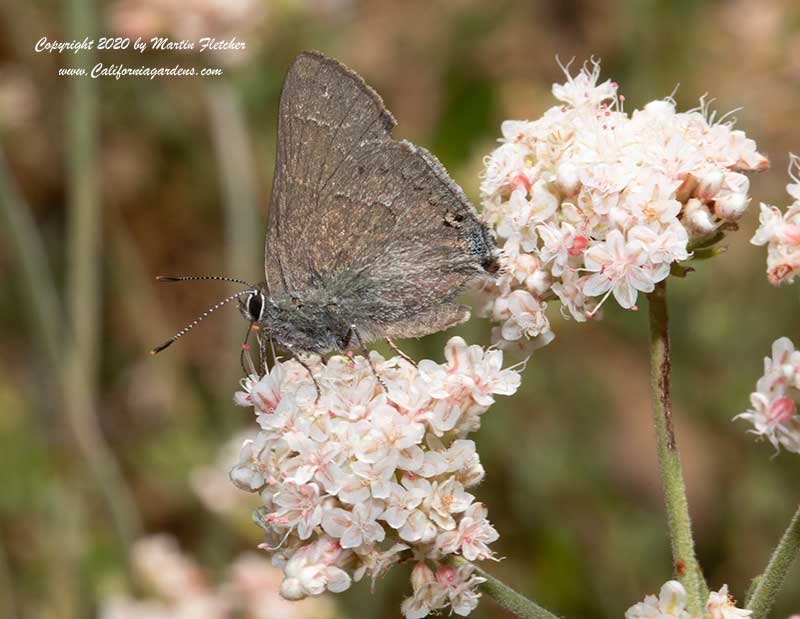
[[197, 320], [187, 278]]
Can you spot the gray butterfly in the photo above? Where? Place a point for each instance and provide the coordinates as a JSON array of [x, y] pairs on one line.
[[368, 237]]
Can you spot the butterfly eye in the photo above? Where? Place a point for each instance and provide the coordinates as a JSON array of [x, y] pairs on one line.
[[255, 305]]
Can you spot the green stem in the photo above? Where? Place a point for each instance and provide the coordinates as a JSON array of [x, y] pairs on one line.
[[771, 580], [507, 598], [685, 562]]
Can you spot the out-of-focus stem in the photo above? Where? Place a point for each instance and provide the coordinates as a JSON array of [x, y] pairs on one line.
[[37, 279], [243, 234], [83, 282], [679, 523], [507, 598], [769, 583]]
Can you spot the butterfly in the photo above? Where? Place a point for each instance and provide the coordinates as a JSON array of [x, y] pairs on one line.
[[368, 237]]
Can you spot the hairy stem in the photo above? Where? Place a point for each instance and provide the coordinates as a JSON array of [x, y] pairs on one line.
[[507, 598], [769, 583], [685, 562]]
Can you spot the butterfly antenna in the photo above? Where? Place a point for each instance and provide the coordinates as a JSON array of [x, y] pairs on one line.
[[187, 278], [196, 321]]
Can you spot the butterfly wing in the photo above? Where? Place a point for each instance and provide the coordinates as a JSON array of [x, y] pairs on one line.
[[363, 223]]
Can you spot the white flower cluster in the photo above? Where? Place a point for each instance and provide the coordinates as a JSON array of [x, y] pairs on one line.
[[671, 604], [588, 201], [774, 402], [358, 477], [182, 589], [780, 232]]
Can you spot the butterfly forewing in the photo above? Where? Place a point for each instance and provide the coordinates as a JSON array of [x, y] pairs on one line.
[[372, 226]]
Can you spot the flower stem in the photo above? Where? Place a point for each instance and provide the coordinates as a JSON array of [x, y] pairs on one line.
[[507, 598], [769, 583], [685, 562]]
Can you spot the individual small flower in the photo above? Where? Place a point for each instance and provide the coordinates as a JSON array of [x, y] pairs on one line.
[[670, 604], [472, 537], [314, 569], [361, 477], [427, 596], [456, 587], [780, 232], [721, 605], [620, 268], [773, 411], [589, 202]]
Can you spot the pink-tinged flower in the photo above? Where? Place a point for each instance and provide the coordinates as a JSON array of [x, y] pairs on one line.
[[775, 420], [261, 393], [670, 604], [368, 480], [460, 586], [471, 537], [774, 402], [394, 437], [314, 460], [314, 568], [300, 507], [780, 232], [560, 246], [427, 595], [583, 89], [620, 268], [721, 605], [400, 503], [356, 527], [250, 473], [526, 316], [377, 562], [447, 498], [502, 166]]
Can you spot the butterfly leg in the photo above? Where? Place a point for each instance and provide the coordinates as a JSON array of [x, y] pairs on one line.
[[311, 374], [403, 355], [262, 353], [365, 352]]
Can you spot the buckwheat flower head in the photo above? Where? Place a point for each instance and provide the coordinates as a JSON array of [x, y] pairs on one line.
[[780, 232], [356, 478], [721, 605], [670, 604], [589, 202], [774, 402]]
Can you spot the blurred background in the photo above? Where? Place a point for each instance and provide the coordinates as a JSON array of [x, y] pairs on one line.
[[106, 183]]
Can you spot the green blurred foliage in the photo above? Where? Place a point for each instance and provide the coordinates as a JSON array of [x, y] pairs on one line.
[[572, 482]]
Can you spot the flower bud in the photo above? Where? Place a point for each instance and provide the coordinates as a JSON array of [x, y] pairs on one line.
[[421, 575], [710, 185], [538, 282], [730, 206], [660, 108], [292, 590], [698, 218], [567, 179]]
